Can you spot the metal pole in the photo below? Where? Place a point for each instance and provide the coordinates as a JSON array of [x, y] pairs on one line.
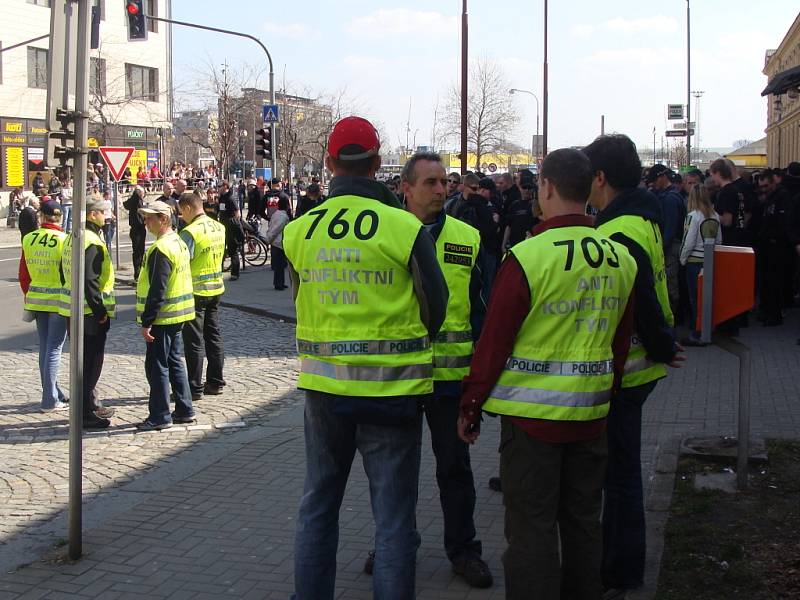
[[688, 87], [544, 92], [464, 86], [708, 291], [742, 352], [654, 145], [116, 226], [25, 43], [77, 293], [602, 124]]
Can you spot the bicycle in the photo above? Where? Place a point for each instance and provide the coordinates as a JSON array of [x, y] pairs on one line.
[[254, 252]]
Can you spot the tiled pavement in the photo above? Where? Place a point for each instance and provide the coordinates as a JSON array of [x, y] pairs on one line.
[[210, 513]]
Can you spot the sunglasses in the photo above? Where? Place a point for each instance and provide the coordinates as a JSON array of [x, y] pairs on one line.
[[453, 181]]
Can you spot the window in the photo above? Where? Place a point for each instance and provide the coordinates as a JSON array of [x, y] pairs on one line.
[[45, 3], [141, 83], [97, 76], [152, 10], [37, 68], [101, 4]]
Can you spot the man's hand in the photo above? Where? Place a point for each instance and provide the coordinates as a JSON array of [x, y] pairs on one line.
[[146, 335], [103, 320], [678, 360], [467, 431]]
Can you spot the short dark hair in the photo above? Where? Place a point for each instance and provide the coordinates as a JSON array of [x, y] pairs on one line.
[[190, 199], [722, 167], [409, 172], [570, 171], [766, 175], [363, 167], [616, 156], [455, 175]]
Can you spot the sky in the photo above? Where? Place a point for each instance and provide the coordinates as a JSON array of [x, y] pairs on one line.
[[624, 59]]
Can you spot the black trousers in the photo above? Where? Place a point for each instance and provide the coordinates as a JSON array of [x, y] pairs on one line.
[[279, 265], [94, 350], [137, 241], [454, 478], [552, 494], [202, 336]]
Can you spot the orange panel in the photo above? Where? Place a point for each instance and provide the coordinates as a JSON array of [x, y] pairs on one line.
[[734, 283]]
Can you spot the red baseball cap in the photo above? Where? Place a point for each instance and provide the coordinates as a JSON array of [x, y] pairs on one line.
[[353, 131]]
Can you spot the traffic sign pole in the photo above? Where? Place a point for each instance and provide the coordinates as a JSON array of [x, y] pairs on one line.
[[116, 225]]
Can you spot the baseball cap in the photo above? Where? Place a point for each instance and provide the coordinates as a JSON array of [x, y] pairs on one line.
[[51, 208], [793, 169], [357, 135], [97, 204], [156, 208], [656, 171], [275, 181], [313, 188]]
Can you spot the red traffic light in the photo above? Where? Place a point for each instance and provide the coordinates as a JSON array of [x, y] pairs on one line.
[[132, 8]]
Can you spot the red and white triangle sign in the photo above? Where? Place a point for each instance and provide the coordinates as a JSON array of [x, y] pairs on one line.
[[116, 159]]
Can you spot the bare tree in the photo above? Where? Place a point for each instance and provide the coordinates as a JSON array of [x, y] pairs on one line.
[[335, 105], [741, 143], [491, 117]]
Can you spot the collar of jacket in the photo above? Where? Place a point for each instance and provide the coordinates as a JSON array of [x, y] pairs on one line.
[[637, 202], [349, 185], [93, 227]]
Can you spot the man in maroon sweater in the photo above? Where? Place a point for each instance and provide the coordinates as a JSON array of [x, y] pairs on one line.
[[548, 367]]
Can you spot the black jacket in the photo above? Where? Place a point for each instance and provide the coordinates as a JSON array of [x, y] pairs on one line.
[[430, 289], [132, 205], [651, 325]]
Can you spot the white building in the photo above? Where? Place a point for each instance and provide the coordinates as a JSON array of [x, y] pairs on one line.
[[130, 86]]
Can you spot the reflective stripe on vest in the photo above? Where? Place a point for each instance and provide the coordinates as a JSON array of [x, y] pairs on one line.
[[362, 347], [638, 368], [561, 367], [456, 250], [106, 281], [359, 331], [179, 304], [41, 250], [209, 248]]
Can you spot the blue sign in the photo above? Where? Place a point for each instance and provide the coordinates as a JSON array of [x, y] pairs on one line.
[[266, 173], [270, 113]]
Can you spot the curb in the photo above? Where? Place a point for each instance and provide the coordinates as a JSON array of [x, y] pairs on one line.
[[262, 312]]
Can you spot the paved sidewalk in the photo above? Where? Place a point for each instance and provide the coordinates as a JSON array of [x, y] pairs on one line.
[[209, 512]]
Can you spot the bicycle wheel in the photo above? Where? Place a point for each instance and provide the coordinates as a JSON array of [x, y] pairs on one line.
[[258, 256], [226, 262]]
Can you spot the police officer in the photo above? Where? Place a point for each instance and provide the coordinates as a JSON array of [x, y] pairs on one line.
[[631, 216], [40, 280], [205, 239], [164, 302], [98, 307], [463, 262], [369, 295], [546, 364]]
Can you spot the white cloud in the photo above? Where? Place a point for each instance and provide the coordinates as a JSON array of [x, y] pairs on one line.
[[647, 57], [648, 25], [403, 22], [290, 30]]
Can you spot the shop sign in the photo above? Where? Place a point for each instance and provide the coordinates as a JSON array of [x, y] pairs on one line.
[[14, 172]]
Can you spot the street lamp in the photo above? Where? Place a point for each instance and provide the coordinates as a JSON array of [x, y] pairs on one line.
[[534, 152]]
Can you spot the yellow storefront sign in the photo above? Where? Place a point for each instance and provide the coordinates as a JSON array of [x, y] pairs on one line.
[[15, 167], [138, 159]]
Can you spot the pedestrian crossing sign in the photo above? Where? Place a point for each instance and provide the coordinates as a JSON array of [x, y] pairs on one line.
[[270, 113]]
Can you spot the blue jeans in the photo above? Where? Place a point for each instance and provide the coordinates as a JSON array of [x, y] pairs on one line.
[[52, 329], [164, 367], [391, 457], [692, 271], [623, 509], [66, 218], [108, 233]]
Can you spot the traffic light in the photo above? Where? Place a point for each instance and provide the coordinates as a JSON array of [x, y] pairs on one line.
[[264, 143], [137, 22]]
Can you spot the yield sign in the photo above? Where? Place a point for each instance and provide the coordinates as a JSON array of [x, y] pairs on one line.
[[116, 158]]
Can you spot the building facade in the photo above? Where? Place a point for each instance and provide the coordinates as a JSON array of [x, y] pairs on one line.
[[130, 87], [783, 107]]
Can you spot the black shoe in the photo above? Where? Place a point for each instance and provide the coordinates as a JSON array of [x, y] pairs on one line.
[[773, 322], [104, 413], [233, 277], [197, 397], [495, 485], [181, 419], [369, 564], [212, 390], [96, 423], [474, 571], [692, 341], [150, 426], [615, 594]]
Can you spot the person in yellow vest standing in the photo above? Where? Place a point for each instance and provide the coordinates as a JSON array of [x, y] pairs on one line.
[[462, 259], [205, 239], [164, 302], [631, 216], [552, 347], [40, 280], [370, 296], [98, 307]]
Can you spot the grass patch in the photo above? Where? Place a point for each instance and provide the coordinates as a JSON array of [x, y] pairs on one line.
[[720, 546]]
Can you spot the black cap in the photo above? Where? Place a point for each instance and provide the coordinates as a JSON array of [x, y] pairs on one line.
[[793, 169], [313, 188], [275, 180], [51, 208], [487, 184], [656, 171]]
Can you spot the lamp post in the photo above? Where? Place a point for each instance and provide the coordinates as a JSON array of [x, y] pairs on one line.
[[697, 95], [534, 151], [688, 86], [544, 88], [464, 89]]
